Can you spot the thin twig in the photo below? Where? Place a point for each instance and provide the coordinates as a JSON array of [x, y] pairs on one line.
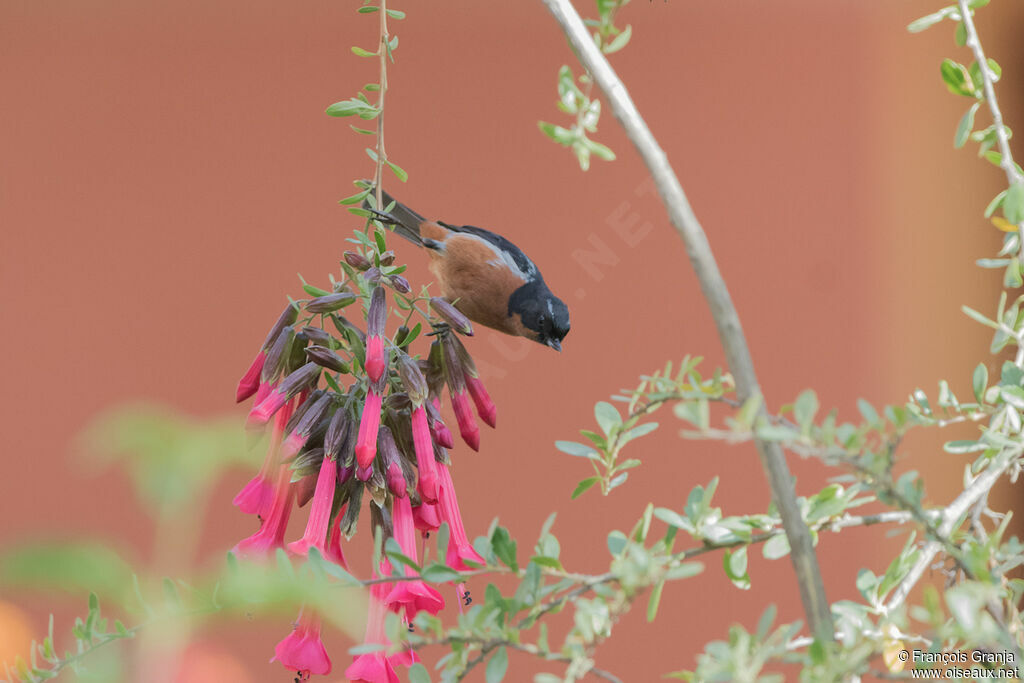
[[381, 154], [948, 520], [987, 79], [805, 562]]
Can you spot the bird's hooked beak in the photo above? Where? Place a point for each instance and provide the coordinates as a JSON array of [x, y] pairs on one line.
[[555, 344]]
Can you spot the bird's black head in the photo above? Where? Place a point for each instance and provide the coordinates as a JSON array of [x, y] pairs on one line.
[[542, 313]]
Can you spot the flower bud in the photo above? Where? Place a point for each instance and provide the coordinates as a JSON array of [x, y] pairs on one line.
[[369, 424], [330, 302], [305, 402], [286, 319], [250, 382], [425, 463], [399, 284], [372, 275], [318, 336], [326, 358], [377, 313], [387, 257], [291, 385], [392, 461], [454, 375], [337, 433], [467, 425], [296, 354], [485, 407], [451, 315], [376, 358], [300, 434], [438, 430], [412, 379], [279, 351], [304, 489], [357, 261]]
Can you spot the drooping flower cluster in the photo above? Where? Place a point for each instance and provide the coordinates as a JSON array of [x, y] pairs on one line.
[[352, 412]]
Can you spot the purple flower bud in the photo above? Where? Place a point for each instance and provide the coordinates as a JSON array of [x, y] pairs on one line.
[[412, 379], [377, 315], [337, 432], [372, 275], [305, 403], [438, 430], [453, 372], [468, 366], [279, 351], [286, 319], [451, 315], [297, 438], [392, 462], [387, 258], [326, 358], [357, 261], [399, 284], [330, 302], [318, 336]]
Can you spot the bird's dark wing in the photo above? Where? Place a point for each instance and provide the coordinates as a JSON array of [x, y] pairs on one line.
[[522, 261]]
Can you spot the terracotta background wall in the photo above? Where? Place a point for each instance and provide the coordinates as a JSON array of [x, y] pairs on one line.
[[167, 169]]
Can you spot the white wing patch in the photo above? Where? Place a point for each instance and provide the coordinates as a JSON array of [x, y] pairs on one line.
[[504, 259]]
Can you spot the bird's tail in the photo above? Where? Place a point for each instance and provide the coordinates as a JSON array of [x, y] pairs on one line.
[[406, 222]]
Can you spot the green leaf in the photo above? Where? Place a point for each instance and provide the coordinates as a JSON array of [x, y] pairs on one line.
[[577, 449], [367, 9], [417, 672], [956, 77], [684, 571], [960, 34], [996, 202], [735, 564], [504, 548], [396, 14], [652, 604], [74, 567], [616, 542], [497, 665], [963, 130], [980, 382], [439, 573], [398, 171], [971, 313], [607, 416], [354, 199], [868, 412], [583, 486], [776, 547], [923, 23], [619, 41], [1013, 204], [805, 407], [360, 52]]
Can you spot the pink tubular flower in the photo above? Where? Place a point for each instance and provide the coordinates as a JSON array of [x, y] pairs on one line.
[[459, 547], [426, 517], [319, 512], [294, 442], [467, 425], [369, 425], [333, 552], [256, 497], [289, 386], [374, 667], [271, 533], [438, 429], [250, 382], [410, 596], [425, 461], [302, 650], [485, 407], [375, 361]]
